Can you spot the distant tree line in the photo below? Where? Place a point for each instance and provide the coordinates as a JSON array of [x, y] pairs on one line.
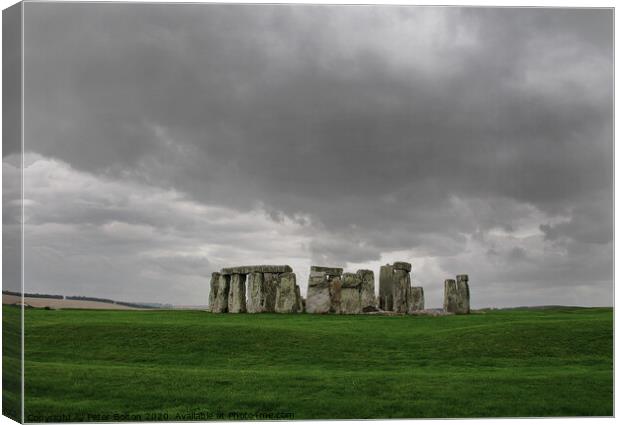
[[18, 294], [81, 298]]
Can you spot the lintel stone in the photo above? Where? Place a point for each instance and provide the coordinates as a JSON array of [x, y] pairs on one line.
[[256, 269], [332, 271], [402, 265]]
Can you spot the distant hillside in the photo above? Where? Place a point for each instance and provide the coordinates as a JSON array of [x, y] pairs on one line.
[[73, 301]]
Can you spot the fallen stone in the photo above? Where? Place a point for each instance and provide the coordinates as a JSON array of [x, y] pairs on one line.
[[385, 313], [416, 299], [220, 298], [401, 265], [434, 313], [367, 289], [332, 271], [236, 296], [259, 269], [286, 294], [370, 309]]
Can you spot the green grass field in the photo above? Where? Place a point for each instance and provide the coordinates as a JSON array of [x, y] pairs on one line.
[[179, 365]]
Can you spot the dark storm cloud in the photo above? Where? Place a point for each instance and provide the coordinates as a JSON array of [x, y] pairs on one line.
[[388, 128]]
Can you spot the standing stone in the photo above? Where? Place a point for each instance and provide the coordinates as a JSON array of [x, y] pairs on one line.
[[462, 290], [213, 285], [402, 283], [318, 300], [350, 295], [220, 297], [330, 271], [261, 292], [386, 287], [256, 292], [367, 289], [335, 294], [450, 296], [286, 294], [236, 296], [271, 282], [416, 299], [300, 300]]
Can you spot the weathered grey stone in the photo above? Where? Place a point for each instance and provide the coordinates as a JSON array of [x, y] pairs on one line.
[[332, 271], [416, 299], [260, 269], [350, 301], [386, 287], [335, 292], [318, 279], [270, 281], [367, 289], [394, 287], [402, 283], [271, 277], [450, 296], [236, 296], [300, 300], [261, 293], [462, 290], [255, 283], [370, 309], [318, 300], [350, 297], [213, 286], [351, 280], [286, 294], [220, 298], [402, 265]]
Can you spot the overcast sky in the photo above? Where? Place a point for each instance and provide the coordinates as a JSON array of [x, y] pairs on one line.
[[167, 141]]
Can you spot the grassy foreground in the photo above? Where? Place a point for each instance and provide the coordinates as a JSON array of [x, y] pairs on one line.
[[182, 365]]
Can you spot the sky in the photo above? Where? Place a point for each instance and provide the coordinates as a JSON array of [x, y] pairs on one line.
[[164, 142]]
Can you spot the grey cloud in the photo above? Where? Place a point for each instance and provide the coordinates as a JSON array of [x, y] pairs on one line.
[[429, 126], [517, 253], [589, 222]]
